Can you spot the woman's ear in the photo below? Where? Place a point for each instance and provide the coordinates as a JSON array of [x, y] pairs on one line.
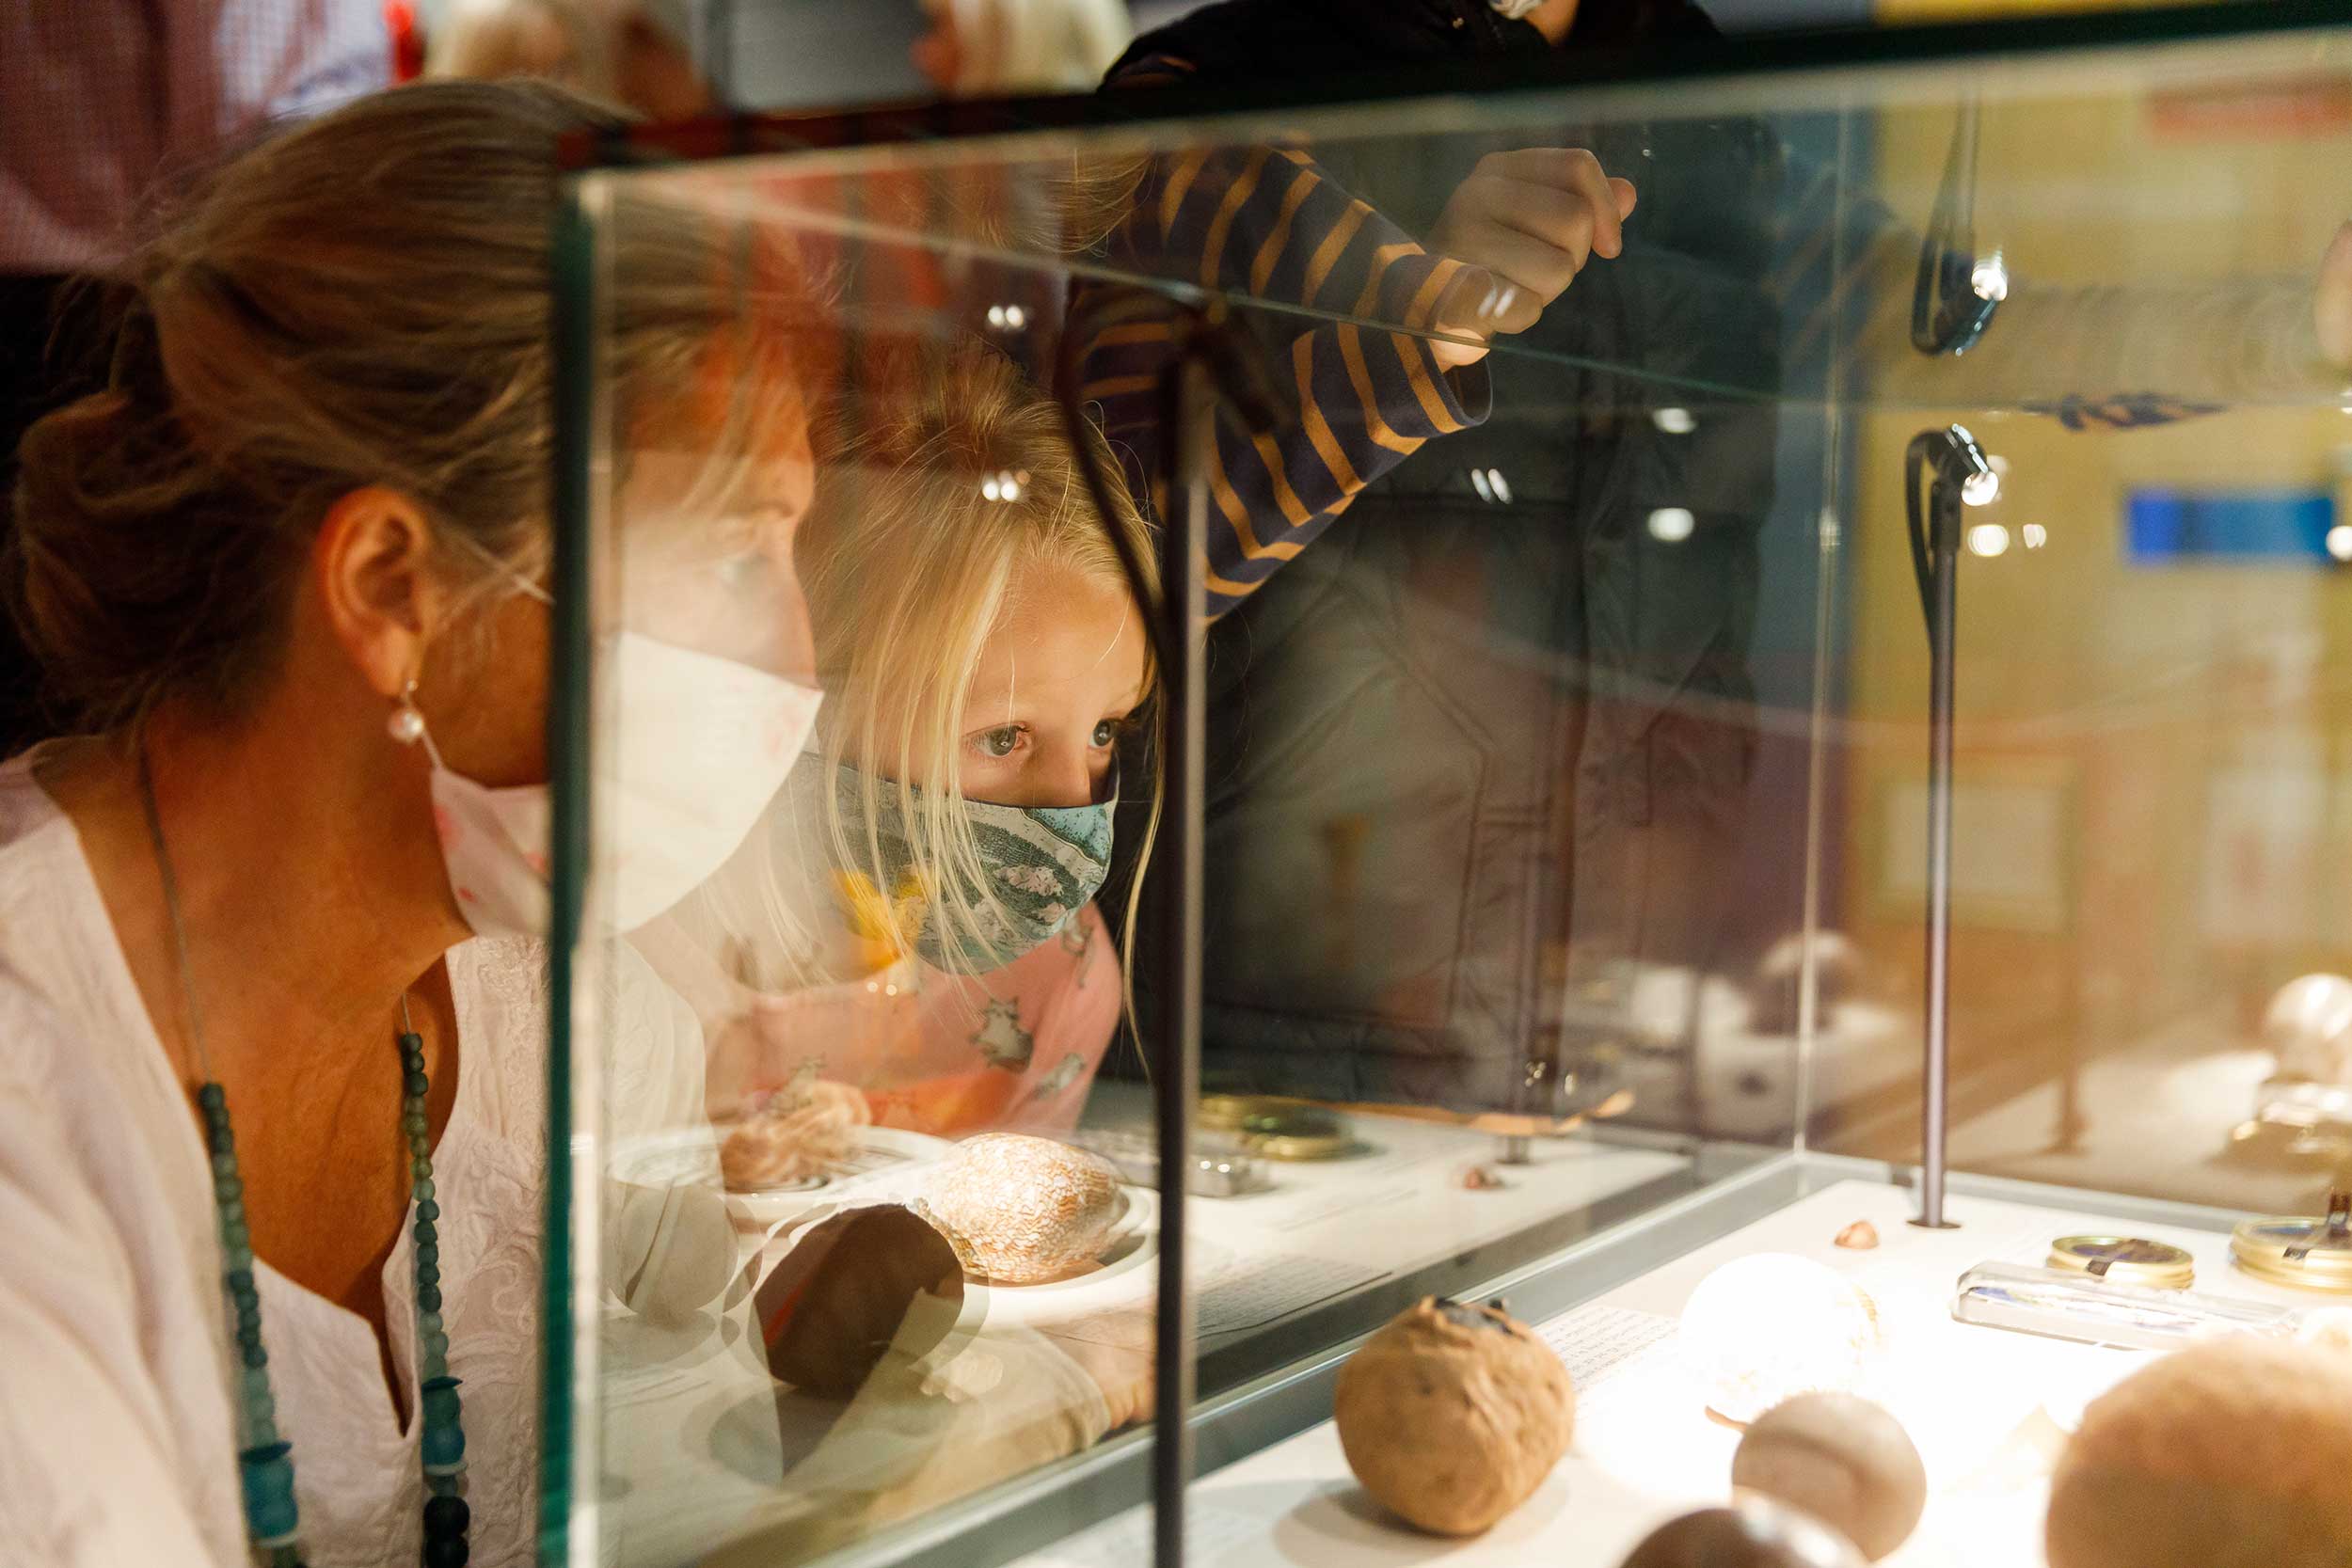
[[372, 561]]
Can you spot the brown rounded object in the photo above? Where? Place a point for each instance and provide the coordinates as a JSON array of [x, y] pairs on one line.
[[840, 1298], [2234, 1454], [1452, 1415], [1021, 1208], [1841, 1458], [1753, 1532]]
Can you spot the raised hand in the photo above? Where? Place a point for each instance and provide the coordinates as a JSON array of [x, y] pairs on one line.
[[1526, 222]]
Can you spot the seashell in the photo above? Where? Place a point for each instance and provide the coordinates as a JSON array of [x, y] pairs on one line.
[[1020, 1209]]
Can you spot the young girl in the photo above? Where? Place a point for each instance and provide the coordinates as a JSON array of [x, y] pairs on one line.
[[913, 919]]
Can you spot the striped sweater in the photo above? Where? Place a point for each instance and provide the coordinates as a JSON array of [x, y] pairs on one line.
[[1267, 224], [1266, 221]]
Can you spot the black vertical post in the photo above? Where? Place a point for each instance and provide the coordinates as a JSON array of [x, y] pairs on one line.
[[1186, 414], [572, 324], [1958, 475], [1942, 618]]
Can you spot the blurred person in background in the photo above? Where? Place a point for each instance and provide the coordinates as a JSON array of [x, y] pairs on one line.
[[636, 53], [989, 48], [100, 100]]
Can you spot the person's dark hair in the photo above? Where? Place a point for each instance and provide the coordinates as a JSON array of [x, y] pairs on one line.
[[360, 300]]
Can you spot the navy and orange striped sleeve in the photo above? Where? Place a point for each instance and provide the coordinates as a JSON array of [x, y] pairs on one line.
[[1266, 222]]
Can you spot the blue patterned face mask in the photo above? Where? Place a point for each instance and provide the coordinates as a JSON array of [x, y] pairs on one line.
[[1043, 862]]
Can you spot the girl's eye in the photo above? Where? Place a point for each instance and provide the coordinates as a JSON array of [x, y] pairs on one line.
[[1106, 734], [1001, 742]]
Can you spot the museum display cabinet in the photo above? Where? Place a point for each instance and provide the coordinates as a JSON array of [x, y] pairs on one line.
[[1773, 796]]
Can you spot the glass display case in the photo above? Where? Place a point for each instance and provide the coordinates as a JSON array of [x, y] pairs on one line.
[[1511, 686]]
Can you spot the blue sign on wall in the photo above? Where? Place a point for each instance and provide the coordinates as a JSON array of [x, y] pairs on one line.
[[2278, 527]]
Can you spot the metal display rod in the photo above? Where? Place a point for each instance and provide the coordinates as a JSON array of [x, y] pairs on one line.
[[1188, 419], [1961, 478], [1955, 296], [1212, 366]]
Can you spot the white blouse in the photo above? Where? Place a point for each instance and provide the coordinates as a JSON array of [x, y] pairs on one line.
[[117, 1438]]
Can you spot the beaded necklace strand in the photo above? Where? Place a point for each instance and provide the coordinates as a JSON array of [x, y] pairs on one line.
[[264, 1460]]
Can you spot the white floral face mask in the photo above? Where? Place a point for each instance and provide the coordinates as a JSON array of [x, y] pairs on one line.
[[1042, 863]]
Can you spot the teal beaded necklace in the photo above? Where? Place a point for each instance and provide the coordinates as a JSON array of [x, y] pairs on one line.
[[265, 1461]]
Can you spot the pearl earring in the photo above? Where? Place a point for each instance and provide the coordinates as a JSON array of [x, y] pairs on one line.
[[406, 726]]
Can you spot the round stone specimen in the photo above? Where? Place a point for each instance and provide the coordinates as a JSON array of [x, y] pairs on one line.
[[1452, 1415], [1842, 1460], [1020, 1209], [1753, 1532], [2309, 1026], [849, 1290], [1769, 1327], [668, 1251], [2232, 1453]]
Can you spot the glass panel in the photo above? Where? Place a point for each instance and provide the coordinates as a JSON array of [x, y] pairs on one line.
[[1563, 829], [824, 1301], [2150, 823]]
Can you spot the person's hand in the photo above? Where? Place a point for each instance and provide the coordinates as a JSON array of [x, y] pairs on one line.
[[1526, 222], [2331, 305], [1116, 1356]]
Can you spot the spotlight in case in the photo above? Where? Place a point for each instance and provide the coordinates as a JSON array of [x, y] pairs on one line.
[[1502, 491], [1674, 421], [2034, 535], [1671, 525], [1988, 539], [2339, 541], [1989, 279], [1981, 488], [1008, 317]]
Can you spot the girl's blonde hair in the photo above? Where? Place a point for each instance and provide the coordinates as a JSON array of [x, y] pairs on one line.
[[363, 300], [958, 479]]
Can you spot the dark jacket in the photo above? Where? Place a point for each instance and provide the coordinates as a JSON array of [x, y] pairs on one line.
[[1487, 744]]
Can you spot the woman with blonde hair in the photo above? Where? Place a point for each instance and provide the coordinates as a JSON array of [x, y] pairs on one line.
[[272, 1126]]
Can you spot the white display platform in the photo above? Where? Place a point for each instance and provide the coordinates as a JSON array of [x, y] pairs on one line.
[[692, 1455], [1983, 1406]]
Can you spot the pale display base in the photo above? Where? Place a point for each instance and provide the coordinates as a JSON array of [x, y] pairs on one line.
[[692, 1457], [1986, 1408]]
